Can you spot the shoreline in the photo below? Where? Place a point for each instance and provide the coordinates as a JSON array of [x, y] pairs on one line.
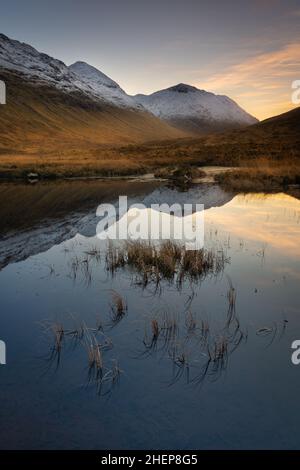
[[210, 172]]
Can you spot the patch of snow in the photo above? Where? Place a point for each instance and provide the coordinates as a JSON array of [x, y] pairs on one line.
[[102, 86], [42, 69], [178, 102], [185, 102]]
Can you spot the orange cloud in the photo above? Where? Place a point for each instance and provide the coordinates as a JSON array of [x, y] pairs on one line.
[[257, 77]]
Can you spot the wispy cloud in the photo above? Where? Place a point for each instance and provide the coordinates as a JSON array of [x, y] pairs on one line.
[[283, 62], [266, 77]]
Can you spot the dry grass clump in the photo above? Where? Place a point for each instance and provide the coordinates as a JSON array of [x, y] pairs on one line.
[[150, 340], [231, 297], [155, 329], [167, 261], [163, 327], [220, 349], [82, 267], [94, 342], [118, 307], [111, 377], [197, 264], [150, 258], [180, 173], [105, 378], [95, 360], [58, 334], [262, 175], [115, 258], [199, 349]]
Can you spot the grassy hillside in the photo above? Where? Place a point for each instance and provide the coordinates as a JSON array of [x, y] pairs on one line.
[[53, 134], [277, 138], [43, 121]]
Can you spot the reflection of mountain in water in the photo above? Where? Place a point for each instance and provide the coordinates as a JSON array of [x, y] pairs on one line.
[[207, 194], [82, 220], [18, 246]]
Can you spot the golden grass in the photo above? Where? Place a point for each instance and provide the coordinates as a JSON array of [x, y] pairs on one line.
[[262, 175], [53, 133], [57, 135], [276, 141], [118, 307], [167, 261]]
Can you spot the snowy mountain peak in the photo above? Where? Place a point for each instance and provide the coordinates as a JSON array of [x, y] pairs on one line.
[[187, 106], [90, 73], [102, 86], [23, 58], [182, 105], [183, 88], [41, 69]]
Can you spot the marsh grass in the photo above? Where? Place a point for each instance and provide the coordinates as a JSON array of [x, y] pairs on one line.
[[118, 307], [58, 332], [110, 379], [231, 298], [155, 328], [95, 360], [155, 332], [198, 348], [168, 261], [81, 268], [262, 175], [162, 331], [220, 349], [102, 377], [114, 259], [181, 364], [77, 332], [94, 341]]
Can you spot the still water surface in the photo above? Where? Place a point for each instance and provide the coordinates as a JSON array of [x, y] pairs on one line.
[[169, 395]]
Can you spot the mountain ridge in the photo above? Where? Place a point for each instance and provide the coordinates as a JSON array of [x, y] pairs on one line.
[[191, 109], [103, 86], [182, 106], [52, 109]]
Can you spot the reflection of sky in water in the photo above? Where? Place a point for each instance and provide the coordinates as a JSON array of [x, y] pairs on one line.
[[273, 220], [253, 404]]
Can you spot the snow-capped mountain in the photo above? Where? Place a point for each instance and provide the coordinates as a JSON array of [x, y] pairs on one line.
[[55, 108], [79, 100], [102, 86], [36, 66], [187, 106], [45, 70]]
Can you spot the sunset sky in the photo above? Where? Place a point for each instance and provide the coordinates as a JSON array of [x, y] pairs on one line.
[[248, 50]]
